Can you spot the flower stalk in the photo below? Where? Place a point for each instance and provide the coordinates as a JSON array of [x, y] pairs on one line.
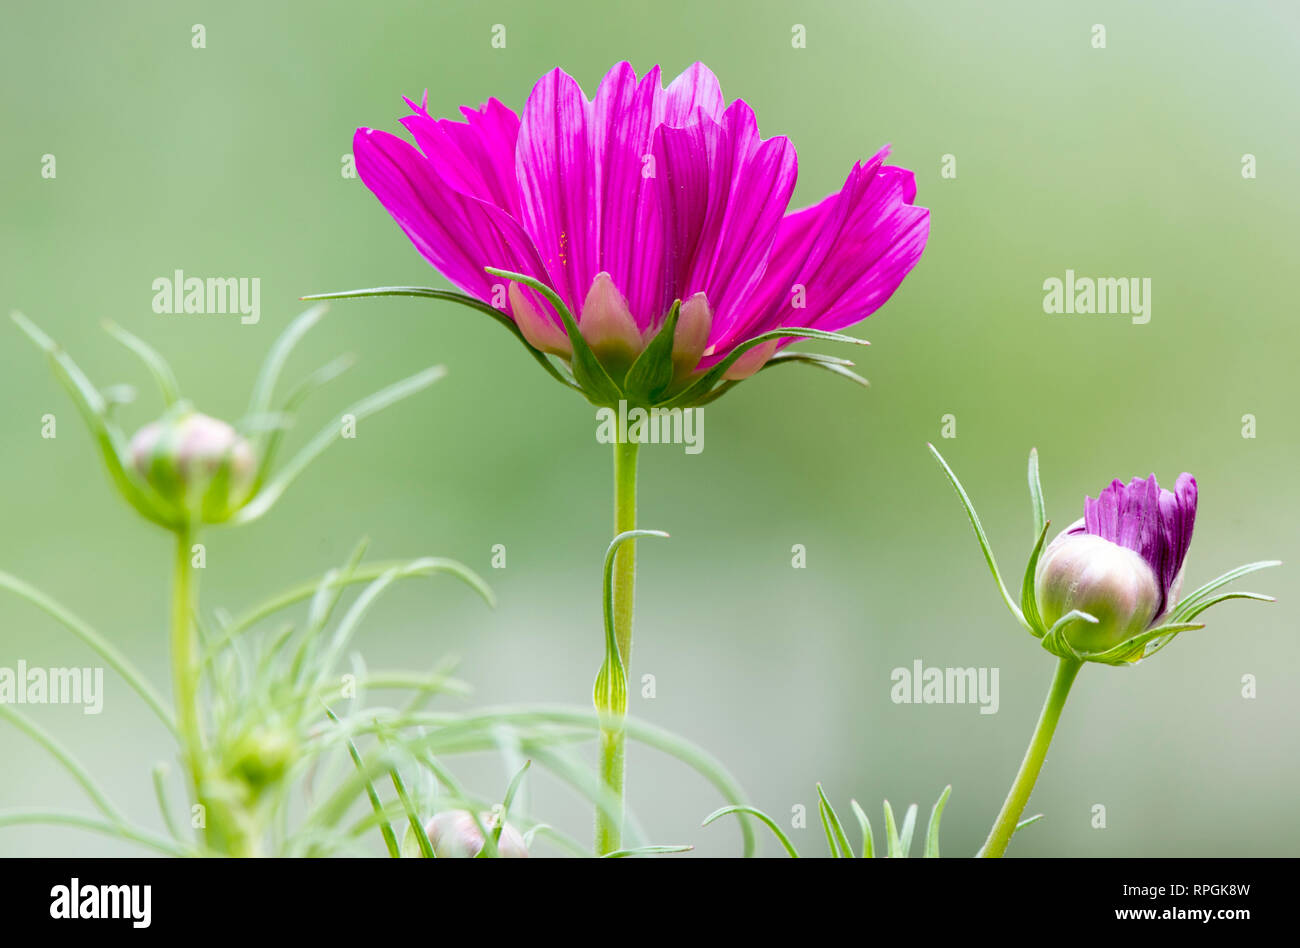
[[1008, 818], [611, 699], [184, 656]]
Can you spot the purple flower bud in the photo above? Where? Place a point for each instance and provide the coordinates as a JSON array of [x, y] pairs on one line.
[[1122, 563], [454, 834], [198, 463]]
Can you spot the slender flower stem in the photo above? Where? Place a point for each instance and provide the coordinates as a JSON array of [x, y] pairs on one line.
[[185, 657], [996, 845], [613, 740]]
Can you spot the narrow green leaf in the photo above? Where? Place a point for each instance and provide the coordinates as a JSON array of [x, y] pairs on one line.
[[1036, 494], [413, 818], [932, 831], [157, 365], [69, 763], [97, 643], [385, 828], [864, 824], [647, 851], [269, 494], [839, 842], [980, 535], [905, 834], [762, 817], [611, 684], [160, 774], [511, 790], [1026, 822], [893, 845], [59, 818]]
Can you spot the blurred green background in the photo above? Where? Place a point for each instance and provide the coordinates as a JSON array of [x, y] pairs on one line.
[[1123, 161]]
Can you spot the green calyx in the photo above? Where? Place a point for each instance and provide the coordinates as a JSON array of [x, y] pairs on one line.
[[1064, 636], [654, 378]]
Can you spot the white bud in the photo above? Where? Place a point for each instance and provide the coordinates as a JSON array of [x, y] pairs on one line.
[[1110, 582], [454, 834]]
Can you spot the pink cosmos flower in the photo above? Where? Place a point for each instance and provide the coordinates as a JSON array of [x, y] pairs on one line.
[[646, 212]]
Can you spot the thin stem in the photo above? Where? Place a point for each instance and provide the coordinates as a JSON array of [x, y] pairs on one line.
[[613, 739], [1018, 797], [185, 658]]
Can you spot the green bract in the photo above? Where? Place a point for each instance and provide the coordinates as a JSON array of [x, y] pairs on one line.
[[654, 378]]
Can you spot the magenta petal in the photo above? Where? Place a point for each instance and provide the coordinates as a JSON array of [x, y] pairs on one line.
[[631, 239], [1156, 524], [692, 95], [841, 259], [685, 164], [457, 233], [749, 195], [557, 176], [476, 156]]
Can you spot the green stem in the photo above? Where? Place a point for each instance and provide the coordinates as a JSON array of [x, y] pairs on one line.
[[1023, 786], [185, 669], [185, 655], [613, 740]]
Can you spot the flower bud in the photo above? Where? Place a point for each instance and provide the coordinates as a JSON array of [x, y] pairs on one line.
[[454, 834], [199, 464], [1110, 582], [261, 757]]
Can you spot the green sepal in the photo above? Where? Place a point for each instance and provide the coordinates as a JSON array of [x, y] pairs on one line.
[[1054, 640], [1028, 598], [980, 535], [1036, 493], [451, 296], [832, 364], [652, 372], [1194, 599], [93, 408], [155, 363], [1133, 650], [698, 389], [590, 375]]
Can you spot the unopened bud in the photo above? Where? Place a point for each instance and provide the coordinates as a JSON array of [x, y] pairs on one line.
[[199, 464], [454, 834], [1110, 582]]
